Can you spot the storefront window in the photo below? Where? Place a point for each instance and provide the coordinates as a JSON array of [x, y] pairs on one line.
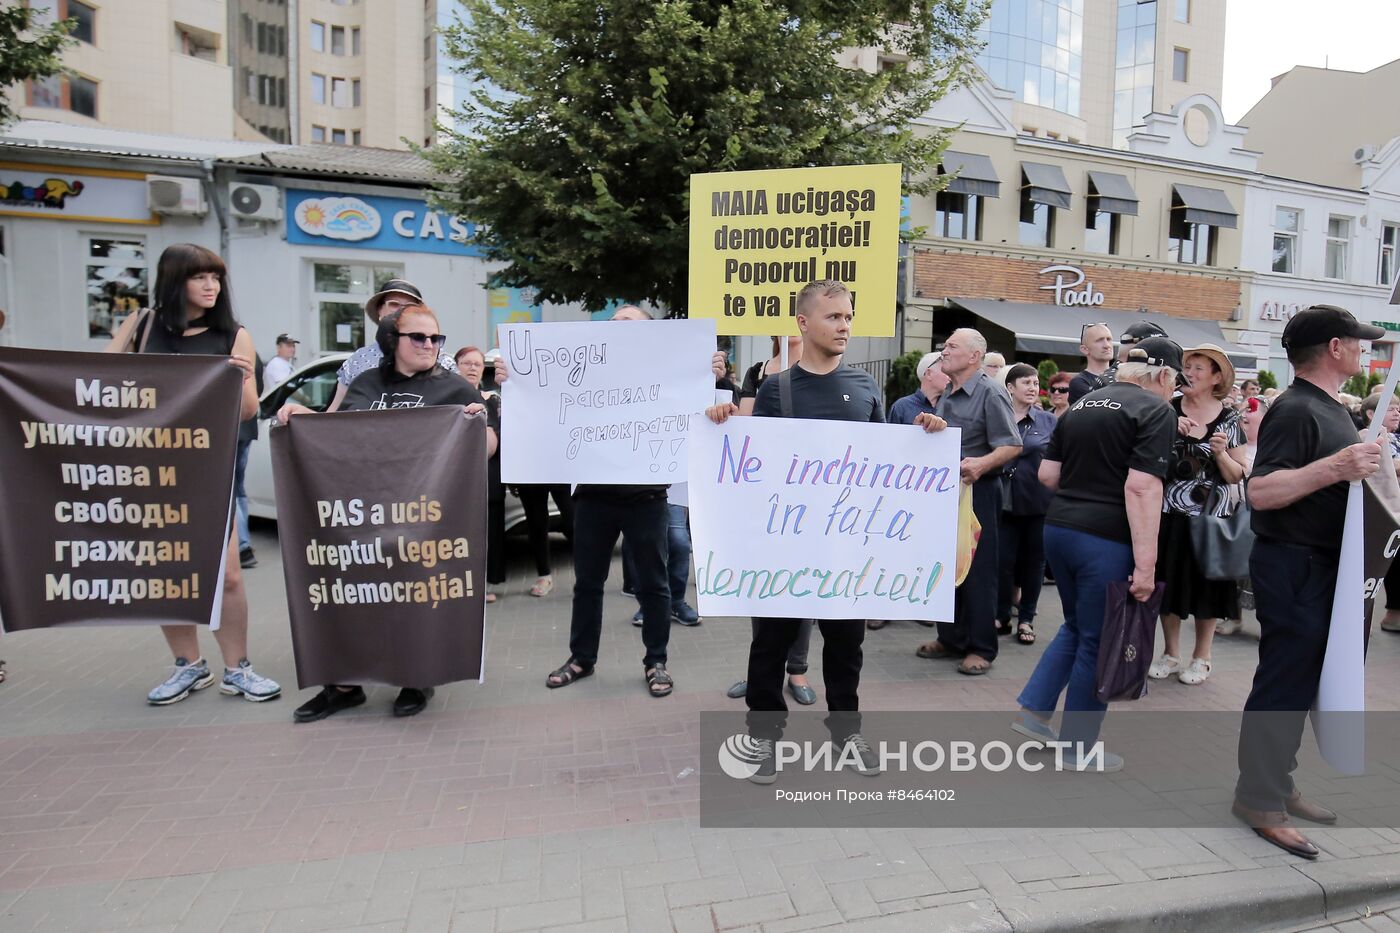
[[1286, 226], [115, 279], [339, 291], [958, 216], [1101, 231]]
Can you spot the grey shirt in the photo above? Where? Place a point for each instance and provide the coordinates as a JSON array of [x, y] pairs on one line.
[[983, 410]]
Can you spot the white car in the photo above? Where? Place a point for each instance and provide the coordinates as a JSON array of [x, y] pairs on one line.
[[313, 385]]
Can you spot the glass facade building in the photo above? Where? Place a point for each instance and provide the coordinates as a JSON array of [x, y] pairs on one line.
[[1135, 61], [1035, 49]]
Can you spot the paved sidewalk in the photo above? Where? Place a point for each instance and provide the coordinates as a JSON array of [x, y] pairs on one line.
[[507, 806]]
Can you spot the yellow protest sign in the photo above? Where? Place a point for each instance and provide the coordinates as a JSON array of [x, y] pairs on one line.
[[757, 237]]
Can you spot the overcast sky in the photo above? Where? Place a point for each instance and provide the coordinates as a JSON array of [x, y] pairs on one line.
[[1264, 38]]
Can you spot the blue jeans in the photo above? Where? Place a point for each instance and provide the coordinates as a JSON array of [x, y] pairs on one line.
[[677, 554], [1084, 565], [240, 497]]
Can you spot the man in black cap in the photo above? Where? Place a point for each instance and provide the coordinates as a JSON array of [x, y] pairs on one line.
[[279, 368], [1307, 455], [393, 295], [1087, 381]]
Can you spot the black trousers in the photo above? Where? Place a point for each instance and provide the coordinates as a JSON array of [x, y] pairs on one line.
[[1022, 564], [535, 501], [597, 523], [1293, 588], [974, 626], [495, 531], [842, 658]]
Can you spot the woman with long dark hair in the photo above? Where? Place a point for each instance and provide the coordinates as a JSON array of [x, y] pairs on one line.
[[193, 313]]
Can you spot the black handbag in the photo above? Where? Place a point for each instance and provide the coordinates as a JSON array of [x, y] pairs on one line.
[[1126, 642], [1222, 545]]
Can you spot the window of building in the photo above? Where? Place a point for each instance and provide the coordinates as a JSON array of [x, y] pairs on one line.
[[1193, 244], [428, 47], [1101, 230], [1134, 66], [355, 41], [262, 89], [338, 137], [1037, 222], [355, 93], [1338, 246], [337, 40], [318, 36], [1181, 64], [958, 216], [318, 134], [1390, 252], [282, 41], [355, 138], [262, 37], [318, 88], [115, 278], [250, 82], [1286, 226], [1183, 11], [248, 30], [428, 97], [339, 292], [84, 16], [340, 92], [197, 43]]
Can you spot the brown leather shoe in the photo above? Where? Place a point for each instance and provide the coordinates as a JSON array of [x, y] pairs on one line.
[[1274, 826], [1305, 809]]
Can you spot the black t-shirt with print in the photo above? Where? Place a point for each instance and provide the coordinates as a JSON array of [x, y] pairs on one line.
[[1110, 431], [380, 388], [844, 394], [1302, 425]]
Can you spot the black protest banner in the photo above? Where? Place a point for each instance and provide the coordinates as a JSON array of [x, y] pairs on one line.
[[118, 474], [382, 519]]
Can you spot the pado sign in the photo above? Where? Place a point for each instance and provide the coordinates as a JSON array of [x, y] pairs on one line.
[[1067, 280]]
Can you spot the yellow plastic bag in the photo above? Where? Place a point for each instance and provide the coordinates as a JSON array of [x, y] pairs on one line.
[[969, 533]]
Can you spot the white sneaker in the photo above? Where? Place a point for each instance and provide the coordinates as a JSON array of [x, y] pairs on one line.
[[1195, 673], [1164, 667], [1228, 627]]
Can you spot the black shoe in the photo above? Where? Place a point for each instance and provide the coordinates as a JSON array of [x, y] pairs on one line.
[[412, 700], [246, 558], [328, 702]]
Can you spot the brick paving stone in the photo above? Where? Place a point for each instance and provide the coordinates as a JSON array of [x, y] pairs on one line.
[[540, 914]]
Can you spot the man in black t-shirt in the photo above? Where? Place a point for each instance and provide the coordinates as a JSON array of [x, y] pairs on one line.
[[1105, 463], [1096, 343], [820, 386], [1307, 455]]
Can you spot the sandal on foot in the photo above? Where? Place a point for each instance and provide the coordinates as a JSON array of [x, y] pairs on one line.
[[1196, 672], [1004, 628], [567, 675], [1025, 633], [1164, 667], [659, 683], [935, 651], [543, 587], [974, 666]]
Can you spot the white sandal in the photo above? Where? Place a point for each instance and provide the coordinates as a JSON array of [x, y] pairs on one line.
[[1195, 673], [1164, 667]]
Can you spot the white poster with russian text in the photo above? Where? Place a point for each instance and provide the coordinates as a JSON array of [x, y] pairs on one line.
[[602, 401], [824, 519]]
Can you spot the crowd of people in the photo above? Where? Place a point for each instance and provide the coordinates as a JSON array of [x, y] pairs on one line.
[[1099, 476]]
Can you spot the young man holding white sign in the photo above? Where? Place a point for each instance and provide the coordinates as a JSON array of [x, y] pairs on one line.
[[820, 387]]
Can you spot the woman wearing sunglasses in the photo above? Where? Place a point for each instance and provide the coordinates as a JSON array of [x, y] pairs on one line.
[[1059, 393], [409, 376]]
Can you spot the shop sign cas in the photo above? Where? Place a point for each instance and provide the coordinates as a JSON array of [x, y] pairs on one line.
[[371, 222]]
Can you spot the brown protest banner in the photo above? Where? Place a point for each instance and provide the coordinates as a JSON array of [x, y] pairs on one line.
[[382, 519], [118, 475], [1380, 510]]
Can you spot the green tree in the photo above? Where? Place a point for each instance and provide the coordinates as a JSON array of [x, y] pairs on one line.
[[903, 378], [1047, 370], [1267, 380], [27, 53], [574, 151], [1361, 384]]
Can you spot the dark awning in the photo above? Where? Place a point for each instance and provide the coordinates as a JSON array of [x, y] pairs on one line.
[[1046, 184], [1115, 193], [975, 174], [1053, 329], [1204, 206]]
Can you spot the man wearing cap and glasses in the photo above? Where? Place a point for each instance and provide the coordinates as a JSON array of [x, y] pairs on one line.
[[279, 368], [394, 295], [1308, 453]]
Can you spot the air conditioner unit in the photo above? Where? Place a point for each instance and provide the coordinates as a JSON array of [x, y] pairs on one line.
[[1364, 154], [255, 202], [167, 194]]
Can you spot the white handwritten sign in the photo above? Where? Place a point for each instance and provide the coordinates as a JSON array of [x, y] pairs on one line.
[[602, 401], [804, 519]]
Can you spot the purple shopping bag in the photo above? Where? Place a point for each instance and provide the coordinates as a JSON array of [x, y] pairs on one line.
[[1125, 645]]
